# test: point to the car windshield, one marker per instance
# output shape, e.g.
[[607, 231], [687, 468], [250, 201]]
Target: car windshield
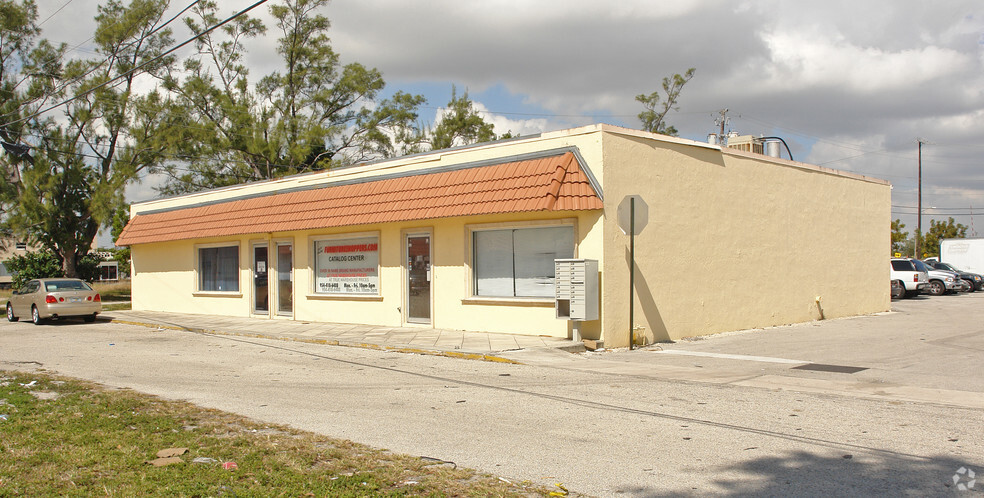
[[65, 285], [920, 266], [948, 266]]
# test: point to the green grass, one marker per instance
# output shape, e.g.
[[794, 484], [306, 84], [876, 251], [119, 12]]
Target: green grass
[[113, 291], [64, 437]]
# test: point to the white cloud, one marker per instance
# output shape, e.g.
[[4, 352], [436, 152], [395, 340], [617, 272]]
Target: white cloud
[[835, 79], [804, 59]]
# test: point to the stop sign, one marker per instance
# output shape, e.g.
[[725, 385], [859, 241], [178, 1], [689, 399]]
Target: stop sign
[[624, 214]]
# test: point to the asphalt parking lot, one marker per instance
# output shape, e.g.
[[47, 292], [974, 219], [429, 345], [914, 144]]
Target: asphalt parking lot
[[727, 415]]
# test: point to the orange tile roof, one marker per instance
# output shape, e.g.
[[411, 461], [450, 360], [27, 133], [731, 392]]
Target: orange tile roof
[[554, 183]]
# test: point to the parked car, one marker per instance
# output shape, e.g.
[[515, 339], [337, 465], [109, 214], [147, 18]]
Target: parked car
[[46, 298], [940, 281], [974, 280], [906, 280]]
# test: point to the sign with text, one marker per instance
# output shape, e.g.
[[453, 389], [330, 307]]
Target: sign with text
[[347, 266]]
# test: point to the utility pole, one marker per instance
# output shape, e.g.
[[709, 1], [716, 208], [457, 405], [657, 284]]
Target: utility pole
[[721, 122], [919, 204]]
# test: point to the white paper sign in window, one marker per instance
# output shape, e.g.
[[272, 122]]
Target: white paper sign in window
[[347, 266]]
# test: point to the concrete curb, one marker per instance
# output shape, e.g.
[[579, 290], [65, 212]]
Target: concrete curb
[[463, 355]]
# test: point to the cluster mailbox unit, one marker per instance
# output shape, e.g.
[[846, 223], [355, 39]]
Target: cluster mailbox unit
[[576, 290]]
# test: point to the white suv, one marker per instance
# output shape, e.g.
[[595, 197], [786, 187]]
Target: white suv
[[907, 281]]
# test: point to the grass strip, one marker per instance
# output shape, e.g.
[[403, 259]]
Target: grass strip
[[66, 437]]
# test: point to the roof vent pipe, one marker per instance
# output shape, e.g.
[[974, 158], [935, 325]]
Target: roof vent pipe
[[712, 138]]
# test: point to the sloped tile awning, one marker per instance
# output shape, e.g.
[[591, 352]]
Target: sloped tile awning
[[552, 183]]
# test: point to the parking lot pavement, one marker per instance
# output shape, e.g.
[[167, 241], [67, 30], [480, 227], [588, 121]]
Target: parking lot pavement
[[927, 349]]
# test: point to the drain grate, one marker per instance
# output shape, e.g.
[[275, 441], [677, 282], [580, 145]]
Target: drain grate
[[820, 367]]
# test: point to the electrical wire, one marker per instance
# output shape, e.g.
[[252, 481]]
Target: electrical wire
[[137, 68], [95, 67]]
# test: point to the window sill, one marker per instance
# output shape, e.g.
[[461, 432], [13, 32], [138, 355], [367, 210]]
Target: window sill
[[343, 297], [534, 302], [216, 294]]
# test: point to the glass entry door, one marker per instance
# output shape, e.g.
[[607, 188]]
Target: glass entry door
[[285, 278], [261, 282], [419, 278]]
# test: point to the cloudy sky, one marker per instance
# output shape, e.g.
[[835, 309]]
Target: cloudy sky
[[849, 85]]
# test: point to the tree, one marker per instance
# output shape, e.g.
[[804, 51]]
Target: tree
[[313, 114], [657, 107], [77, 168], [899, 237], [461, 124], [18, 29], [939, 230]]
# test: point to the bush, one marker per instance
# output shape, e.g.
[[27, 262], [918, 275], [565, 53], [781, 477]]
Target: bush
[[88, 267], [40, 264]]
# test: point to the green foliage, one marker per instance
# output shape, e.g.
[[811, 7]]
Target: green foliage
[[88, 267], [39, 264], [461, 124], [899, 237], [75, 174], [939, 230], [657, 107], [313, 114]]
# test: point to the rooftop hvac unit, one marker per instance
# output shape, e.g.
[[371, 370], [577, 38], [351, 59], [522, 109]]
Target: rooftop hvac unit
[[747, 143]]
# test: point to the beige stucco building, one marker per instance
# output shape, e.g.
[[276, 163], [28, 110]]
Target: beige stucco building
[[465, 239]]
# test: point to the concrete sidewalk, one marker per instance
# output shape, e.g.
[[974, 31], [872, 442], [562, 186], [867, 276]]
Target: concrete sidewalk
[[454, 343]]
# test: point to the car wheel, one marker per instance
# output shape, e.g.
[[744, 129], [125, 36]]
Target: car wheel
[[973, 288], [35, 315], [10, 314], [89, 318], [936, 288], [898, 289]]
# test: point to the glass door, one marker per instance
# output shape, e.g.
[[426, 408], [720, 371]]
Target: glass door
[[285, 278], [419, 278], [261, 282]]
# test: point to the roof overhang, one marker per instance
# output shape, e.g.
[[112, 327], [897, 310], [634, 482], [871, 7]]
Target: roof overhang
[[555, 180]]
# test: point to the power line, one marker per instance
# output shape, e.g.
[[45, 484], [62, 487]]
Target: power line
[[139, 67], [55, 13]]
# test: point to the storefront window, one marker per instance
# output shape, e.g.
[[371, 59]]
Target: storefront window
[[519, 262], [347, 266], [218, 269]]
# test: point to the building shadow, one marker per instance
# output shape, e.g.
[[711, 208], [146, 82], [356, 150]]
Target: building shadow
[[808, 474]]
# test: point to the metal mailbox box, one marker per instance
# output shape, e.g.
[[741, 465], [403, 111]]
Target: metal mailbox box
[[576, 286]]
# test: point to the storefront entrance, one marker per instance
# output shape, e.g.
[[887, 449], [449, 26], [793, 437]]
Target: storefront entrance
[[261, 282], [418, 278], [285, 279]]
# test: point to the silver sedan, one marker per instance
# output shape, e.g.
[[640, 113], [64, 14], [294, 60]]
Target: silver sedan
[[54, 298]]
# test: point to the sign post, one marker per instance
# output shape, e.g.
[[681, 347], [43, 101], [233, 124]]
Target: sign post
[[633, 215]]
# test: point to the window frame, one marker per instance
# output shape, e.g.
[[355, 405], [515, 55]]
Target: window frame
[[471, 297], [239, 270], [314, 293]]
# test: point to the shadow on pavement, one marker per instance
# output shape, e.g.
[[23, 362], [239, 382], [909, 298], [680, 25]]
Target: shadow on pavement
[[808, 474]]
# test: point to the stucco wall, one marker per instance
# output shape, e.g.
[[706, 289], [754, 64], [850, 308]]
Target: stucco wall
[[739, 241], [165, 278]]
